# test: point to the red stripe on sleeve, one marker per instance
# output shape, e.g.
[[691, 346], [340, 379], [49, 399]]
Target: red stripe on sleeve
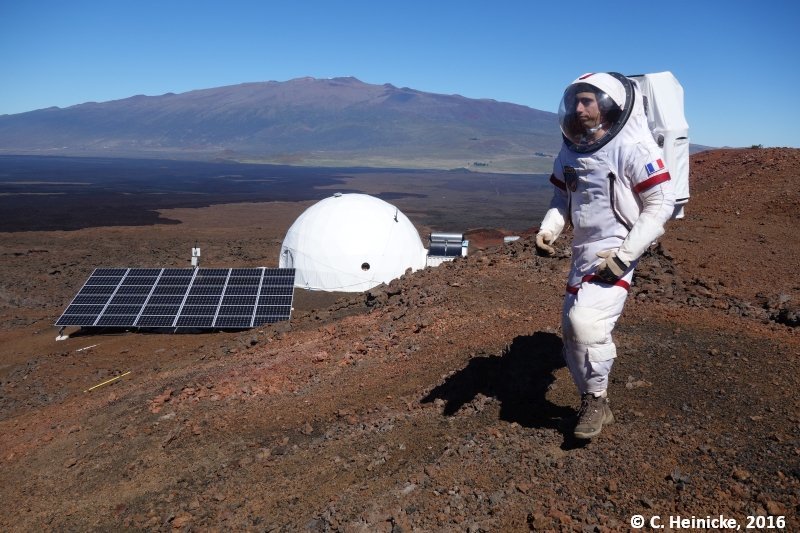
[[557, 182], [652, 182]]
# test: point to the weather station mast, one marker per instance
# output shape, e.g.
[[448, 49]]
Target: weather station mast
[[195, 256]]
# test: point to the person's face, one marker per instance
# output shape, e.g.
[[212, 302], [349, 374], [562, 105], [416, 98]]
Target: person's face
[[587, 110]]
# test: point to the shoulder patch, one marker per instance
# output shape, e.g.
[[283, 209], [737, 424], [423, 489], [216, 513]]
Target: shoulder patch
[[654, 167]]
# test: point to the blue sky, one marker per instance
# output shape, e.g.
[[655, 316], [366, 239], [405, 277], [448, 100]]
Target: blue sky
[[735, 59]]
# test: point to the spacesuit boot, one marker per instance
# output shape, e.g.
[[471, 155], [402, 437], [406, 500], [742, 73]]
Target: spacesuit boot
[[591, 378], [592, 416], [588, 318]]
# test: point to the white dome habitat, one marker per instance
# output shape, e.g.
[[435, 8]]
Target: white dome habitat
[[351, 243]]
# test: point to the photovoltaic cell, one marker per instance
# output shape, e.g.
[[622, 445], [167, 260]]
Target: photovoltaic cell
[[234, 321], [195, 322], [206, 298], [165, 300], [139, 280], [84, 309], [233, 290], [155, 321], [274, 300], [202, 300], [246, 272], [122, 299], [179, 272], [74, 320], [145, 271], [104, 280], [88, 300], [115, 320], [202, 290], [166, 290]]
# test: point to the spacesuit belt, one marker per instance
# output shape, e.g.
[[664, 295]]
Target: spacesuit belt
[[593, 277]]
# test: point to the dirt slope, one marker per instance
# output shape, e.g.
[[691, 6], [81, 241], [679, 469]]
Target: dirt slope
[[437, 403]]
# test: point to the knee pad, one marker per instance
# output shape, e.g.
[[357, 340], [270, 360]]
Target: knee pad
[[587, 325]]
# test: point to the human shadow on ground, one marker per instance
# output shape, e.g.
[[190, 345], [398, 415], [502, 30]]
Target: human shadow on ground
[[519, 379]]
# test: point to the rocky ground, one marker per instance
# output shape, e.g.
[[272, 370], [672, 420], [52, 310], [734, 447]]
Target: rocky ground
[[436, 403]]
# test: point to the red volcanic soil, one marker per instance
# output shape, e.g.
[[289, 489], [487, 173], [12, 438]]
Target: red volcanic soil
[[436, 403]]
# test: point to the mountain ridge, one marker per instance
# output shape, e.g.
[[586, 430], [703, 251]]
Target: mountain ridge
[[301, 121]]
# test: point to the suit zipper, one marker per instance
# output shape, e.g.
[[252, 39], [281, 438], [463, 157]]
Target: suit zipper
[[611, 181]]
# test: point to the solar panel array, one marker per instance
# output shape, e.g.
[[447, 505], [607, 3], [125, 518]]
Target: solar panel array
[[208, 298]]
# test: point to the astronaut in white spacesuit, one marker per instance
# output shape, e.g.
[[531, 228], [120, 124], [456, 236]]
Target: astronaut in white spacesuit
[[611, 183]]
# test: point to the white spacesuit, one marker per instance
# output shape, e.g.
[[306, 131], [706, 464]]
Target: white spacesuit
[[611, 182]]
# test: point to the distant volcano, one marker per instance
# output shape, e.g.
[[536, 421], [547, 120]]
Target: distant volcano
[[339, 121]]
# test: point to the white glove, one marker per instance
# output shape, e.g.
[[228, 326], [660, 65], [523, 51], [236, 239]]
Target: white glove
[[612, 268], [544, 239]]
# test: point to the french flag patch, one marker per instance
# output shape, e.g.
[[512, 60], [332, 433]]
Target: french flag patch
[[654, 166]]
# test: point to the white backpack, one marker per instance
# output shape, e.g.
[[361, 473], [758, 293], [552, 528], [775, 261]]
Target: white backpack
[[663, 105]]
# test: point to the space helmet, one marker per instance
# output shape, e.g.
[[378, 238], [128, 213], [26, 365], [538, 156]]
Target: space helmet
[[594, 108]]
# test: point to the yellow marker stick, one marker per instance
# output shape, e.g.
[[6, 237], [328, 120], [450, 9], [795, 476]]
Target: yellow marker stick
[[108, 381]]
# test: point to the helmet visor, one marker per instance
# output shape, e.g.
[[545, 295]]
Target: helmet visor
[[586, 114], [593, 109]]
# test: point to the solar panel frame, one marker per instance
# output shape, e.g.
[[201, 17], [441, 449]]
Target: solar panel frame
[[200, 298]]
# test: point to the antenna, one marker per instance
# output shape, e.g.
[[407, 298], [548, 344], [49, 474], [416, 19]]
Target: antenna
[[395, 214]]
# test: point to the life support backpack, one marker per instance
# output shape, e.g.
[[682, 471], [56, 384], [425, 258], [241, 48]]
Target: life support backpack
[[663, 105]]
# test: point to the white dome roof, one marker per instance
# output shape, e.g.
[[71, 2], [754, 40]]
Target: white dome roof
[[351, 243]]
